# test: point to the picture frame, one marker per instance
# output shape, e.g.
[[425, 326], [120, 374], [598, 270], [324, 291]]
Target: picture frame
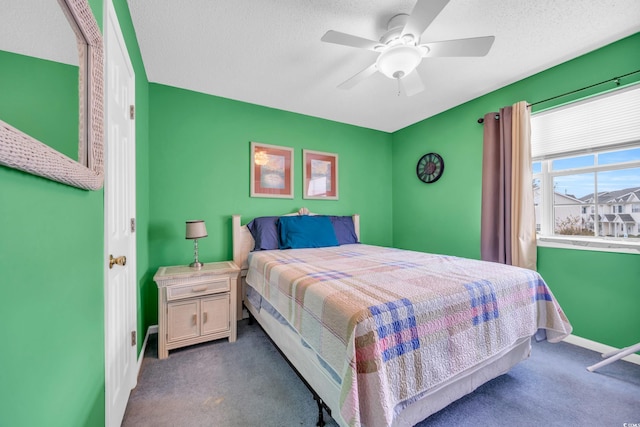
[[271, 171], [320, 175]]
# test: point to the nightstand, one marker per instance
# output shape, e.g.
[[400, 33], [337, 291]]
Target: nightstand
[[195, 306]]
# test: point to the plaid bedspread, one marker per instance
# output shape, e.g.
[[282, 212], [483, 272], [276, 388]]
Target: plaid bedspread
[[395, 323]]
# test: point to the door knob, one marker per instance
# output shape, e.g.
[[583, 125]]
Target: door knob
[[121, 260]]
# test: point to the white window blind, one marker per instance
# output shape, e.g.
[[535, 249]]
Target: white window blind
[[608, 120]]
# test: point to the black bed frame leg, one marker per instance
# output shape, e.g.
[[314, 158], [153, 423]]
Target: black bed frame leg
[[320, 422]]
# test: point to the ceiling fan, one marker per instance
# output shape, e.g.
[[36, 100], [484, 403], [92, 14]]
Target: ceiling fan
[[401, 49]]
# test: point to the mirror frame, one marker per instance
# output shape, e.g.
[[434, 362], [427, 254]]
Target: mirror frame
[[21, 151]]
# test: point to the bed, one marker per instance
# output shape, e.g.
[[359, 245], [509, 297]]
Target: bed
[[383, 336]]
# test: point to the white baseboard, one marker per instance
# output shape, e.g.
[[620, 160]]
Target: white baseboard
[[599, 347], [153, 329]]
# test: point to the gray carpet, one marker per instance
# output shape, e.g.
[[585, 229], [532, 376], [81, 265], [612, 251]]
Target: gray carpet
[[247, 383]]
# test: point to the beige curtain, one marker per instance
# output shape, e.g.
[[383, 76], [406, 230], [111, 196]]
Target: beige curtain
[[523, 220], [508, 232]]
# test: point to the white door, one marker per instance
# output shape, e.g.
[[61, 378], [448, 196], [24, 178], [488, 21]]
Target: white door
[[119, 206]]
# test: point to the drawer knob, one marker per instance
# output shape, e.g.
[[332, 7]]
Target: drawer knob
[[199, 288]]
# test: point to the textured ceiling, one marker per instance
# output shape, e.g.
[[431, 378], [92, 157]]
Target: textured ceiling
[[37, 28], [268, 52]]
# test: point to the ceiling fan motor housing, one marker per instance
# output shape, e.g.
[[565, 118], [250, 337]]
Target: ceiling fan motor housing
[[394, 31]]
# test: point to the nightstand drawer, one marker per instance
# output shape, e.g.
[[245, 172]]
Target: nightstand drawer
[[194, 289]]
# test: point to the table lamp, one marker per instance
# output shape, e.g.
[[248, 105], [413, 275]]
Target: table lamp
[[196, 230]]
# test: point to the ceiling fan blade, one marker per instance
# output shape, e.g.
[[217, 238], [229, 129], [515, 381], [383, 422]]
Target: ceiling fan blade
[[476, 46], [351, 82], [349, 40], [412, 83], [423, 14]]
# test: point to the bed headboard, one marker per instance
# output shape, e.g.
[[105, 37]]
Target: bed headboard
[[243, 241]]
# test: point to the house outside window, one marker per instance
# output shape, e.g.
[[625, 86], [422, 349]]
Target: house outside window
[[586, 169]]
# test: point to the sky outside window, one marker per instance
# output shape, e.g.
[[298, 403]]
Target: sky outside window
[[582, 184], [619, 156]]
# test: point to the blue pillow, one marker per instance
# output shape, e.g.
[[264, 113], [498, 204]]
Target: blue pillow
[[264, 230], [305, 231], [344, 229]]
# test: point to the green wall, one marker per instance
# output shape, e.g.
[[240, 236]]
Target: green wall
[[199, 169], [51, 262], [51, 310], [26, 83], [596, 289]]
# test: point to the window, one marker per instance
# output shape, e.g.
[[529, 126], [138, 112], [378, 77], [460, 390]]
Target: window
[[586, 169]]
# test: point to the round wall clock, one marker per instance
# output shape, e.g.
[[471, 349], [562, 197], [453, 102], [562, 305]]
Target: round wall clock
[[430, 168]]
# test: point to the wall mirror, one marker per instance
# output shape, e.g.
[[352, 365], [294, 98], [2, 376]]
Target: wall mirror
[[22, 151]]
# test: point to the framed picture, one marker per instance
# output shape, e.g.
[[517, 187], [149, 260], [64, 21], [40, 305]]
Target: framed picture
[[320, 171], [271, 171]]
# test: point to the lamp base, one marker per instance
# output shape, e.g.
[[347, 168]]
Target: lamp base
[[196, 264]]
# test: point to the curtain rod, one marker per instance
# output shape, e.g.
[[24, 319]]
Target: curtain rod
[[614, 79]]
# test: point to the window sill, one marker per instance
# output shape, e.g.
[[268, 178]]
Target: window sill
[[589, 244]]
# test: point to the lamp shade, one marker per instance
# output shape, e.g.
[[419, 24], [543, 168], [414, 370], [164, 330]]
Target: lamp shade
[[398, 61], [196, 229]]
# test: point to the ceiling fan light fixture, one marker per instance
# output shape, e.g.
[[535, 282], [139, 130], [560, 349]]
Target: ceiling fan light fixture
[[398, 61]]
